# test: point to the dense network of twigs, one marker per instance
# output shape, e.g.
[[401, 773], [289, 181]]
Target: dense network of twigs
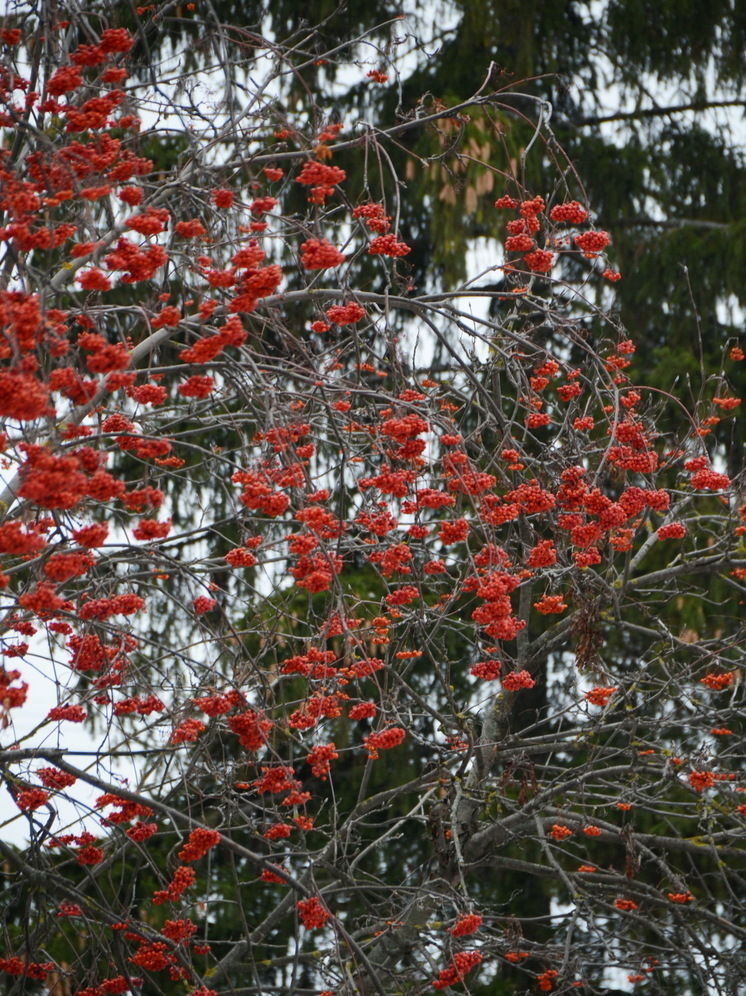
[[359, 636]]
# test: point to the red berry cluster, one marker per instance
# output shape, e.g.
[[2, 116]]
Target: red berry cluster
[[315, 173], [275, 780], [566, 392], [701, 780], [453, 532], [403, 596], [363, 710], [119, 984], [519, 243], [272, 877], [219, 705], [261, 205], [315, 573], [191, 229], [53, 778], [710, 480], [169, 316], [530, 209], [150, 529], [592, 243], [63, 566], [31, 969], [320, 254], [550, 604], [599, 696], [199, 843], [278, 831], [28, 800], [178, 930], [540, 260], [126, 809], [487, 670], [522, 230], [404, 428], [345, 314], [320, 759], [384, 740], [374, 216], [496, 615], [388, 245], [154, 956], [223, 198], [184, 878], [546, 980], [462, 963], [186, 732], [240, 557], [90, 855], [311, 664], [72, 713], [364, 668], [314, 708], [524, 226], [467, 923], [572, 212], [251, 729], [717, 682], [321, 178], [674, 530], [517, 679], [151, 221], [142, 831], [313, 913], [196, 387], [542, 555], [69, 909]]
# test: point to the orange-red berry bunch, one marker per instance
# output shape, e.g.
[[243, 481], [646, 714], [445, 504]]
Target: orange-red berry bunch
[[388, 245], [200, 842], [461, 964], [516, 680], [592, 243], [320, 254], [384, 740], [374, 216], [467, 923], [487, 670], [572, 212], [313, 913]]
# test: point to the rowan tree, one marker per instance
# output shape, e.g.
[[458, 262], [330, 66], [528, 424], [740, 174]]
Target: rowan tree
[[645, 98], [403, 620]]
